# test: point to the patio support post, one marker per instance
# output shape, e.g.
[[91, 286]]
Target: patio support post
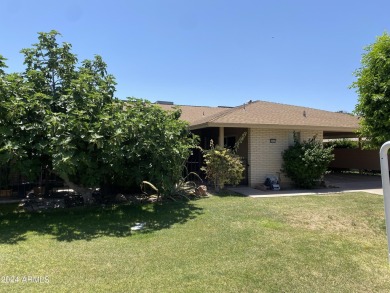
[[386, 188], [221, 136]]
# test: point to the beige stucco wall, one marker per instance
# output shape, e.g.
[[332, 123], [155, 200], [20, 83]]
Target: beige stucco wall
[[265, 157]]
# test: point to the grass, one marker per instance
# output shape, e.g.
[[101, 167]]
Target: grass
[[331, 243]]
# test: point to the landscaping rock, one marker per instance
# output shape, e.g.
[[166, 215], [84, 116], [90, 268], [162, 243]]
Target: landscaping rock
[[201, 190]]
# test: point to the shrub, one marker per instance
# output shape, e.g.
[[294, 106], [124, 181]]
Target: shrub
[[342, 144], [222, 166], [305, 163]]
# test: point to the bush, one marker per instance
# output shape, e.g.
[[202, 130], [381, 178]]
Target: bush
[[305, 163], [222, 166], [342, 144]]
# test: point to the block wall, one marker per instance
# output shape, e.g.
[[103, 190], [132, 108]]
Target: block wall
[[265, 147]]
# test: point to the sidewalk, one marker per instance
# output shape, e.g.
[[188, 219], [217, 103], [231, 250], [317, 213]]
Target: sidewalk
[[252, 192], [339, 183]]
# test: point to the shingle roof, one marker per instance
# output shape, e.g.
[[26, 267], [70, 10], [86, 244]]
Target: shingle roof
[[267, 114], [192, 114]]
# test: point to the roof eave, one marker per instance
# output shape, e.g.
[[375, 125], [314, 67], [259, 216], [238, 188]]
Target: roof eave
[[274, 126]]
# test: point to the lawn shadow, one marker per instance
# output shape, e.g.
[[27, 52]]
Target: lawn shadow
[[87, 223]]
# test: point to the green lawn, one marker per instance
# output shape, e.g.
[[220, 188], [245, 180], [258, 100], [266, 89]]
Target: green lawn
[[333, 243]]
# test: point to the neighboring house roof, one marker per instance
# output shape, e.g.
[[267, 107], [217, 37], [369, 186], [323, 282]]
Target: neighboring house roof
[[266, 114]]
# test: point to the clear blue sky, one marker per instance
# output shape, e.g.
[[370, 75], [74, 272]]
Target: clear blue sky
[[211, 52]]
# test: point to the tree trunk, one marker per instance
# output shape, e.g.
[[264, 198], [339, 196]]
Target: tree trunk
[[85, 192]]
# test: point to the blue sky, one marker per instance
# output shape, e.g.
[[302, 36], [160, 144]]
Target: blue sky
[[211, 52]]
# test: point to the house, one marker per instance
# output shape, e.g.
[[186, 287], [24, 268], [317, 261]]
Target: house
[[270, 129]]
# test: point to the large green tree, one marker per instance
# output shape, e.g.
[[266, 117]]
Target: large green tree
[[62, 117], [373, 88]]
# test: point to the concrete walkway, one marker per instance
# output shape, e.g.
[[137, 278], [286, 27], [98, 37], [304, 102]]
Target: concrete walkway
[[338, 183]]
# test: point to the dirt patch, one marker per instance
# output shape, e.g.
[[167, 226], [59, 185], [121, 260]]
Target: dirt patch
[[331, 220]]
